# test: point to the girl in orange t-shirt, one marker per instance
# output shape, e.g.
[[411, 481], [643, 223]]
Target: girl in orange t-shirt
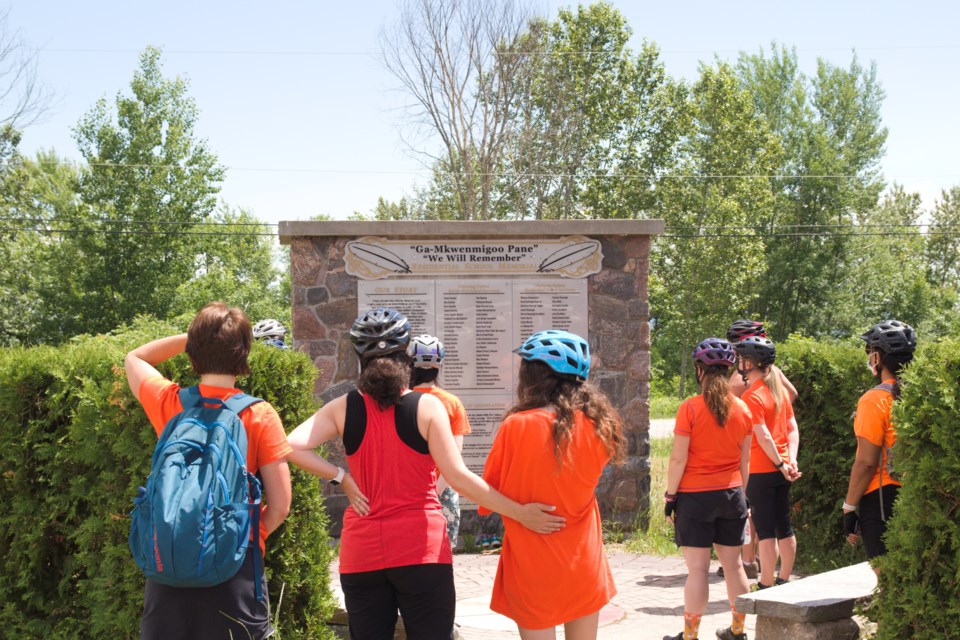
[[552, 447], [709, 467], [773, 458], [873, 483]]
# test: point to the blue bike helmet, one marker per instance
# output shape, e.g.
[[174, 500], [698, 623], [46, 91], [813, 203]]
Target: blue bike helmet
[[276, 342], [566, 353]]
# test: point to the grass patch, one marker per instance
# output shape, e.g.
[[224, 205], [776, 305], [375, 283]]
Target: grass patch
[[657, 540], [664, 407]]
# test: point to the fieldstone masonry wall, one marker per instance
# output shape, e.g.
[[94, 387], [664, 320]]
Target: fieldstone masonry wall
[[324, 299]]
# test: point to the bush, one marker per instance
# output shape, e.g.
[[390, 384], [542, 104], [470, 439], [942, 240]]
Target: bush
[[919, 593], [830, 377], [74, 446]]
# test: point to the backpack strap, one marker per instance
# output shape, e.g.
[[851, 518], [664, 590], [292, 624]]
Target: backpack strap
[[892, 389], [240, 401]]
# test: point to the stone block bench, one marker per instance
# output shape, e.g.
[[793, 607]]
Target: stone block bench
[[819, 607]]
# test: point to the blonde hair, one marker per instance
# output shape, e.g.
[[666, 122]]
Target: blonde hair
[[771, 378]]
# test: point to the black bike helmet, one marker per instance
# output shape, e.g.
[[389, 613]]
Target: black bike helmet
[[892, 337], [380, 331], [757, 348], [744, 328]]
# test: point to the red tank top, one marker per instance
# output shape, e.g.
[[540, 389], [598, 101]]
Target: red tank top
[[391, 463]]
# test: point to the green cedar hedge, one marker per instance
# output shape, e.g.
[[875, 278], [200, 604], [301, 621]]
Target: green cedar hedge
[[830, 376], [74, 446], [919, 593]]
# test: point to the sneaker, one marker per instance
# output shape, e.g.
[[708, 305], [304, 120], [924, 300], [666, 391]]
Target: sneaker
[[679, 636], [757, 586], [720, 571], [728, 634], [484, 543], [780, 581], [752, 569], [495, 542]]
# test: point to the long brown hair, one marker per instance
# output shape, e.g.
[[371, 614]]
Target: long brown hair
[[539, 386], [715, 381], [385, 378]]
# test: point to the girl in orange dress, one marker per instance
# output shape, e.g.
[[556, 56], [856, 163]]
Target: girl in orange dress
[[553, 446]]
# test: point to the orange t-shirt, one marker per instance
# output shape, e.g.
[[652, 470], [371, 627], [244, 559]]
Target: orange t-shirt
[[266, 439], [459, 423], [872, 423], [546, 580], [713, 458], [760, 402]]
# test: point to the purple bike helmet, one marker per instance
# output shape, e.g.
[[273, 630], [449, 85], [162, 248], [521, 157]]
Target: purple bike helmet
[[715, 352]]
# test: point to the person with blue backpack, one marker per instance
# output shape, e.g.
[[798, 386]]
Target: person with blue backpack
[[219, 485]]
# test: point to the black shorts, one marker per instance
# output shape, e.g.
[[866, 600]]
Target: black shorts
[[873, 522], [705, 518], [424, 594], [769, 495], [227, 610]]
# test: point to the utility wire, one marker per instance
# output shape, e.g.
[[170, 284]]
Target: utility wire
[[497, 174]]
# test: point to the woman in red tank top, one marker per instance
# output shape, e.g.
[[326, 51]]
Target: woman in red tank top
[[394, 550]]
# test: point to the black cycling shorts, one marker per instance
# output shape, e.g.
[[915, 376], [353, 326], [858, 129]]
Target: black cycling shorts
[[424, 595], [873, 522], [769, 495], [705, 518]]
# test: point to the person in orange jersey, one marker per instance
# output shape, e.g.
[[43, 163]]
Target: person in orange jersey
[[552, 447], [773, 458], [873, 481], [708, 470], [427, 354], [736, 332]]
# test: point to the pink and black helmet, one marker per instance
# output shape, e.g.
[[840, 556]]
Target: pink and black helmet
[[745, 328], [715, 352]]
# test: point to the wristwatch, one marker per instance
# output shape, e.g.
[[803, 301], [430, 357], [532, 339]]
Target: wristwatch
[[339, 478]]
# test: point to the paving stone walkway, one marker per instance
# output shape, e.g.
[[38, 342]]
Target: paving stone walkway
[[648, 604]]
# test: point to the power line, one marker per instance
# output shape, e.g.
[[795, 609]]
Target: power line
[[564, 53], [507, 174]]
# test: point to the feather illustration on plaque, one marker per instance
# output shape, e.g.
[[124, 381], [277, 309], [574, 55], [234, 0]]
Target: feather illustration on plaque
[[373, 261], [582, 256]]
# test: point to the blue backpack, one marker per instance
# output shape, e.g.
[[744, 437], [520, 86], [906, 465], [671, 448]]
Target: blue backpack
[[192, 522]]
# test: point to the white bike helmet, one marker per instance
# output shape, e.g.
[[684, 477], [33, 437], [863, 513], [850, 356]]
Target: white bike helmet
[[268, 328], [426, 351]]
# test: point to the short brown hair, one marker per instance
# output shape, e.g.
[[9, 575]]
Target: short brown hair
[[218, 340]]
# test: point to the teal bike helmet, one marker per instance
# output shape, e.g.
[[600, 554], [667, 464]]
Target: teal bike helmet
[[566, 353]]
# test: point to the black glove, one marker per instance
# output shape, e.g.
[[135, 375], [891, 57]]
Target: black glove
[[851, 523], [670, 507]]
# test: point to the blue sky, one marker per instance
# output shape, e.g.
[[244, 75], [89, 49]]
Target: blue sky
[[293, 98]]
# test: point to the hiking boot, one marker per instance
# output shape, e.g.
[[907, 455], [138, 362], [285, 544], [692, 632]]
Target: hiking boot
[[752, 569], [728, 634]]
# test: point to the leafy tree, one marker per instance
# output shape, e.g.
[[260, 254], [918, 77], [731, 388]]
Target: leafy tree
[[702, 269], [596, 122], [38, 258], [149, 184], [240, 264], [943, 245], [833, 140], [886, 276]]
